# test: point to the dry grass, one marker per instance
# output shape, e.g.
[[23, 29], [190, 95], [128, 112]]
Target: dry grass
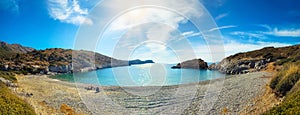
[[287, 84], [10, 104], [285, 79], [262, 103]]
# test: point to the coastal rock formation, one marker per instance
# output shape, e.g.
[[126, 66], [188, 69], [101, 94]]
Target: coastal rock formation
[[241, 66], [61, 69], [55, 60], [213, 66], [257, 60], [192, 64]]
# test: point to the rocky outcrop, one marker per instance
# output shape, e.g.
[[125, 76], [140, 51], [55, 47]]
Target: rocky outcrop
[[257, 60], [16, 48], [61, 69], [240, 66], [213, 66], [192, 64]]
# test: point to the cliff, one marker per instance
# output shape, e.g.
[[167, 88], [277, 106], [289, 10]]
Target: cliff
[[192, 64]]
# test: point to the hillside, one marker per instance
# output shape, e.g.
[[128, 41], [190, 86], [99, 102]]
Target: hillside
[[286, 83], [10, 50], [258, 60], [55, 60]]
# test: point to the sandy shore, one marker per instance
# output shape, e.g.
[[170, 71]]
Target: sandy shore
[[233, 96]]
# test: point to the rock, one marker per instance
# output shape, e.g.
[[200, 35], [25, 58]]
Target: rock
[[61, 69], [240, 66], [192, 64], [213, 66]]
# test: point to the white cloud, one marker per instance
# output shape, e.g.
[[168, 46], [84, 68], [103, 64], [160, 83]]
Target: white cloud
[[145, 15], [191, 34], [151, 23], [222, 27], [68, 11], [249, 34], [268, 32], [284, 33], [221, 16]]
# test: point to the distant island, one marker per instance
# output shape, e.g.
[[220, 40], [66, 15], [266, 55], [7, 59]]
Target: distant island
[[192, 64], [137, 61]]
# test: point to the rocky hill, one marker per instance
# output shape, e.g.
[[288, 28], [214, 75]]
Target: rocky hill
[[192, 64], [56, 60], [257, 60], [8, 50]]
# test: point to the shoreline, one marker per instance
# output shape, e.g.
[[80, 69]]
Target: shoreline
[[50, 94]]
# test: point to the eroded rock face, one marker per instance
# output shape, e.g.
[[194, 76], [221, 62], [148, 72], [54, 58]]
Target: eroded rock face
[[240, 66], [61, 69], [192, 64]]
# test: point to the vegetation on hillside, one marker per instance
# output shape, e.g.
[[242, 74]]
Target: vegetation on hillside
[[8, 51], [55, 59], [285, 79], [287, 83], [8, 75], [284, 54], [10, 104]]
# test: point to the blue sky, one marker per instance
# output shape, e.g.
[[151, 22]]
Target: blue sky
[[245, 25]]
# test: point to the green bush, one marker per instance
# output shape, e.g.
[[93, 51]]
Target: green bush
[[11, 104]]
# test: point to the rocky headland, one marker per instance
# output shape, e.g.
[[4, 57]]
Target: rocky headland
[[14, 57], [192, 64], [257, 60]]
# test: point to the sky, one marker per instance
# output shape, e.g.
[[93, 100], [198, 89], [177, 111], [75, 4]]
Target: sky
[[223, 27]]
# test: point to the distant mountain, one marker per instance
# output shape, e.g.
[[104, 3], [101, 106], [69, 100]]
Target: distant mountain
[[56, 60], [133, 62], [257, 60], [8, 50], [192, 64]]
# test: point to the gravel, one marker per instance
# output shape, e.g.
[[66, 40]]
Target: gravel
[[230, 95]]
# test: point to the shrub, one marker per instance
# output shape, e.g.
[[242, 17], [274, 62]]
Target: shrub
[[290, 106], [286, 78], [287, 83]]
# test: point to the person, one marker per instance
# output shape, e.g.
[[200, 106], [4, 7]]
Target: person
[[97, 90]]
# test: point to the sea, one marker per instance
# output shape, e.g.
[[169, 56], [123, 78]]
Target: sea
[[141, 75]]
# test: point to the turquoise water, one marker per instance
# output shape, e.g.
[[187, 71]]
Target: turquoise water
[[141, 75]]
